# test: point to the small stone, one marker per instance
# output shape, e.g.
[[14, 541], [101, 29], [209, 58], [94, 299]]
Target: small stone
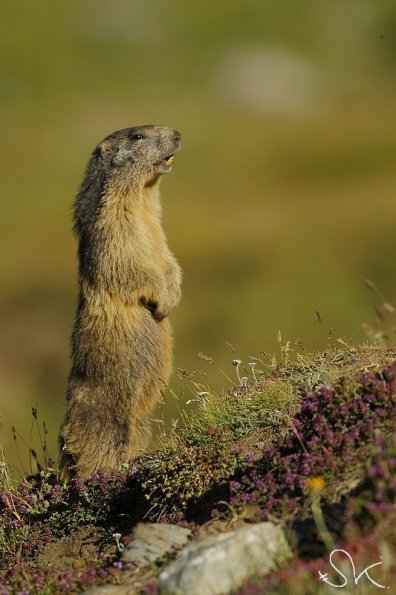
[[152, 541], [219, 564]]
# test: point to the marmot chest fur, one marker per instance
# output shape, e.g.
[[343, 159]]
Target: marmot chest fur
[[129, 283]]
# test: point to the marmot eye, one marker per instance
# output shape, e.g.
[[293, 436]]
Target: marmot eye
[[137, 136]]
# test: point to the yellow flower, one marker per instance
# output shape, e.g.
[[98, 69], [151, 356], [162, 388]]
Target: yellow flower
[[316, 483]]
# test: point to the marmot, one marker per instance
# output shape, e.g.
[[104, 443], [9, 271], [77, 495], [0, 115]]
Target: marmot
[[129, 282]]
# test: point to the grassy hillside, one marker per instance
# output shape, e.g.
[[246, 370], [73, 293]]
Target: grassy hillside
[[307, 441]]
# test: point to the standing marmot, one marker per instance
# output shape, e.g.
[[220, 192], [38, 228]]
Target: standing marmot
[[129, 283]]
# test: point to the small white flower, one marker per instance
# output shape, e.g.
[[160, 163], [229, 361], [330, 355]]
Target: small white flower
[[117, 537], [252, 366]]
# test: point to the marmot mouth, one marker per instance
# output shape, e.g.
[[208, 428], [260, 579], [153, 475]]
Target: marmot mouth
[[165, 164], [168, 159]]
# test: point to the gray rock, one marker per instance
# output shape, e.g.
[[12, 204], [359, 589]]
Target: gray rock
[[219, 564], [150, 542]]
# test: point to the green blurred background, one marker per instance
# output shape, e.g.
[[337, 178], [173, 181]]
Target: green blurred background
[[281, 202]]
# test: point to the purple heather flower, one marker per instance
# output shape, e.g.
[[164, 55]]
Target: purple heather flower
[[234, 485], [118, 564], [249, 458]]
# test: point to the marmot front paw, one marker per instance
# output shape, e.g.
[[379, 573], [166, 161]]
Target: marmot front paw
[[158, 312]]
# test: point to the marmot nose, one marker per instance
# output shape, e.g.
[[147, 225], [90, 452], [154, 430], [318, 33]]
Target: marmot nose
[[176, 136]]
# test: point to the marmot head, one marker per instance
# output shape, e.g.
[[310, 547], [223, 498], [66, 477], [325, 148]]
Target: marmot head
[[137, 155], [124, 163]]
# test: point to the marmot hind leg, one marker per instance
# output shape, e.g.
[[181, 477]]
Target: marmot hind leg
[[86, 451]]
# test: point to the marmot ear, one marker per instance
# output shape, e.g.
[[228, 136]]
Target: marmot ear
[[104, 149]]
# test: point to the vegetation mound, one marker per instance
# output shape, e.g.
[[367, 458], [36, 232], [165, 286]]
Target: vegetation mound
[[307, 441]]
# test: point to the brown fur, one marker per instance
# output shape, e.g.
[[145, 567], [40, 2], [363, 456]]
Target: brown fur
[[129, 283]]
